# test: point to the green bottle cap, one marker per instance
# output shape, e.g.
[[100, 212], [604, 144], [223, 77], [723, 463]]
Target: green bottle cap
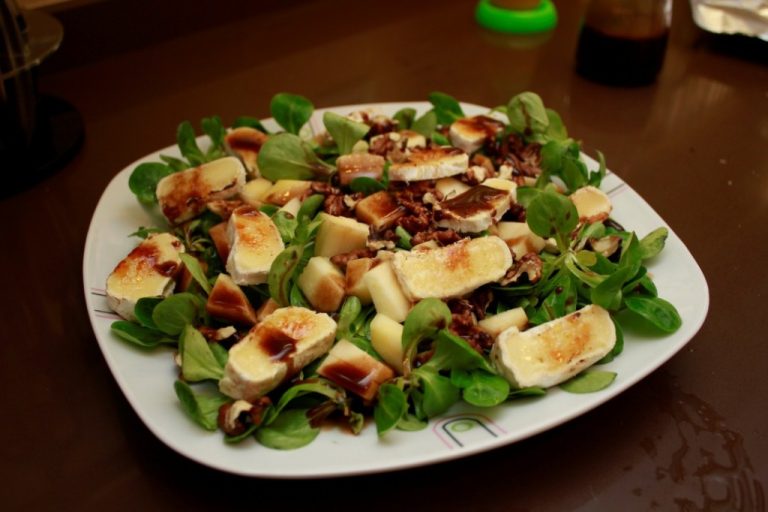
[[524, 21]]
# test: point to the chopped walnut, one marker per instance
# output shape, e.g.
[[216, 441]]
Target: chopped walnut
[[341, 260], [236, 417], [530, 265]]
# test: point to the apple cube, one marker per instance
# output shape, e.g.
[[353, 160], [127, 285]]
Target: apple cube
[[495, 324], [386, 293], [338, 235], [323, 284], [285, 190], [386, 337], [355, 370], [228, 302], [355, 285]]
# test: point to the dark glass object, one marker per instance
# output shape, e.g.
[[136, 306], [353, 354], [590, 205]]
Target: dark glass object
[[38, 134], [623, 42]]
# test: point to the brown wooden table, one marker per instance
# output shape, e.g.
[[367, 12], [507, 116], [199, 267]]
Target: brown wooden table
[[691, 436]]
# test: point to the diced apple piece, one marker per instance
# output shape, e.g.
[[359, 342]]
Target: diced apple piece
[[355, 370], [386, 293], [495, 324], [293, 206], [520, 239], [185, 279], [218, 234], [450, 187], [253, 191], [386, 338], [228, 302], [355, 285], [285, 190], [592, 204], [359, 165], [379, 210], [338, 235], [323, 284], [267, 307]]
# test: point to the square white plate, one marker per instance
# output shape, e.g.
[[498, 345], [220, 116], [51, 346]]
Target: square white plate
[[146, 377]]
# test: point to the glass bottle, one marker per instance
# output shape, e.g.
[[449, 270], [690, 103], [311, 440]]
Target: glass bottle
[[623, 42]]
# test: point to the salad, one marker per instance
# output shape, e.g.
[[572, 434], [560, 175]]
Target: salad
[[385, 268]]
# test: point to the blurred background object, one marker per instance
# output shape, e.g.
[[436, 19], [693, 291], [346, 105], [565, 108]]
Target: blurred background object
[[38, 134], [623, 42], [516, 16], [745, 17]]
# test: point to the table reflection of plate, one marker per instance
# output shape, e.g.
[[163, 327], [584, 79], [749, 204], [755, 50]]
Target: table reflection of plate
[[147, 378]]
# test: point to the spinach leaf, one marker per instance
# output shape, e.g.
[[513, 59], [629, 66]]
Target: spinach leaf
[[175, 312], [203, 409], [214, 129], [403, 238], [348, 313], [655, 310], [481, 388], [185, 138], [438, 392], [291, 111], [618, 348], [286, 225], [653, 243], [141, 336], [453, 353], [281, 274], [198, 362], [596, 177], [447, 109], [344, 131], [589, 381], [143, 311], [423, 322], [411, 423], [144, 179], [285, 156], [290, 430], [309, 207], [425, 124], [551, 214], [176, 164], [194, 268], [556, 129], [527, 115], [366, 185], [250, 122], [144, 232], [319, 386], [527, 392], [404, 118], [390, 407]]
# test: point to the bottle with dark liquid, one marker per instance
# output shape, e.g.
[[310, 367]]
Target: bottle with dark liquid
[[623, 42]]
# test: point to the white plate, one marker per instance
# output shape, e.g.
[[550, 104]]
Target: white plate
[[147, 378]]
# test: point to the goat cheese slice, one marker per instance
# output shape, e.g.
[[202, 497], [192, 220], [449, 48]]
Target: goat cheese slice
[[148, 271], [254, 244], [276, 349], [470, 133], [453, 270], [430, 164], [475, 210], [184, 195], [553, 352]]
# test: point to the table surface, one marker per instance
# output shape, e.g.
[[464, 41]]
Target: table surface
[[691, 436]]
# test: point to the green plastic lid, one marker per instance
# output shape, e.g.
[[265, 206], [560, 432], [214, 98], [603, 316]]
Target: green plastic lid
[[524, 21]]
